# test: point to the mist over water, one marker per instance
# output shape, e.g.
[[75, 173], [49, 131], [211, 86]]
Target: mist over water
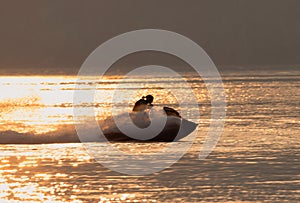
[[256, 159]]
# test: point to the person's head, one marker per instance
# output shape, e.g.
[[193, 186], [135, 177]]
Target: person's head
[[149, 98]]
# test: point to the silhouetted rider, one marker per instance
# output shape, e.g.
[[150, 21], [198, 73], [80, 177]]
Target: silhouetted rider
[[143, 103]]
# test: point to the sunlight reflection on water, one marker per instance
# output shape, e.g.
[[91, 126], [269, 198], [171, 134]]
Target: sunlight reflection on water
[[257, 158]]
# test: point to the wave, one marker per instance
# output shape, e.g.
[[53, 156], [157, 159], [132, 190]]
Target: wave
[[68, 134]]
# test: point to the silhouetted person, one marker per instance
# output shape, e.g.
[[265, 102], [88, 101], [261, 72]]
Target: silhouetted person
[[143, 103]]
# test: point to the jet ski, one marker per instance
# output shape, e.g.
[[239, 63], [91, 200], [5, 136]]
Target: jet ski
[[154, 125], [169, 127]]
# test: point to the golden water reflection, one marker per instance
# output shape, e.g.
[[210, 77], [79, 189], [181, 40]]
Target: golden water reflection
[[66, 173], [256, 159], [54, 173], [43, 104]]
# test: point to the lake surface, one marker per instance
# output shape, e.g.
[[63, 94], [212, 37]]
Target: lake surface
[[256, 159]]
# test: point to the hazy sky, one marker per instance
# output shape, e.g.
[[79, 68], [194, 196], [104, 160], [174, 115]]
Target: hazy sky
[[57, 35]]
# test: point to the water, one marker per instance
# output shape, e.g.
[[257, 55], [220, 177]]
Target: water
[[256, 159]]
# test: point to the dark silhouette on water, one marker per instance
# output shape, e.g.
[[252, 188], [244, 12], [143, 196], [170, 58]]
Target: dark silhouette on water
[[143, 103], [175, 129], [146, 102]]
